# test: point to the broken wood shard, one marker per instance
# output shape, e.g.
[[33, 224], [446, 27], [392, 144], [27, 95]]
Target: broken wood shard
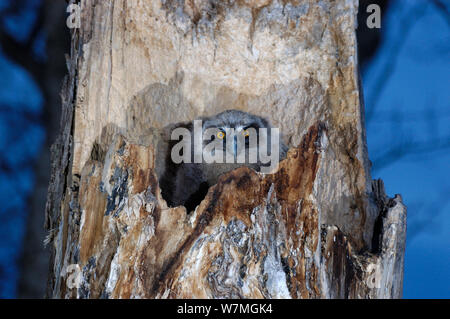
[[253, 236]]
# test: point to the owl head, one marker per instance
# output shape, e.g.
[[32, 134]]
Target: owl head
[[238, 134]]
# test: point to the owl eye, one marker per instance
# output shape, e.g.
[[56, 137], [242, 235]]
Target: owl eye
[[246, 133], [221, 135]]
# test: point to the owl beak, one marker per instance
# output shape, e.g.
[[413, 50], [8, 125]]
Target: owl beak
[[235, 147]]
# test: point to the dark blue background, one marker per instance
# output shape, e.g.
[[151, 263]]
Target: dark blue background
[[407, 93]]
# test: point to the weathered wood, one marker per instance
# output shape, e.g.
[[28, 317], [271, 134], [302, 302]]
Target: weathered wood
[[318, 227]]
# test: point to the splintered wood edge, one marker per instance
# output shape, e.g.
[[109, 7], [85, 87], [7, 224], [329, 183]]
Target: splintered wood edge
[[170, 253]]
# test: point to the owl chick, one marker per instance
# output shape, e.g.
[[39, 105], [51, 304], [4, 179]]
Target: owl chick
[[216, 145]]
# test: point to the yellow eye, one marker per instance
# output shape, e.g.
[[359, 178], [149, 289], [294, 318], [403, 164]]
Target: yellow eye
[[246, 133], [221, 135]]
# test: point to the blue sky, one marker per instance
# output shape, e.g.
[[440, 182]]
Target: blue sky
[[417, 91], [21, 139]]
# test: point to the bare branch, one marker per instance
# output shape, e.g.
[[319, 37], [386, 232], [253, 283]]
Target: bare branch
[[410, 148], [388, 69], [443, 9]]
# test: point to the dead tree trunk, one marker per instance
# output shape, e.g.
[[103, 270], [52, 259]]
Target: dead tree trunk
[[318, 227]]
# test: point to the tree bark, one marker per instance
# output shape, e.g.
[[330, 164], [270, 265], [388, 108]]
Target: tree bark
[[318, 227]]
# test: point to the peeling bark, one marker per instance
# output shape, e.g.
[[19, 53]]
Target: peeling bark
[[318, 227]]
